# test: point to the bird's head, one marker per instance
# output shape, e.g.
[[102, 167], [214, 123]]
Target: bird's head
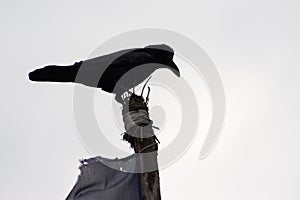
[[164, 55]]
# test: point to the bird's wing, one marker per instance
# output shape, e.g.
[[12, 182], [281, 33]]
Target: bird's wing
[[124, 70], [133, 58], [126, 62]]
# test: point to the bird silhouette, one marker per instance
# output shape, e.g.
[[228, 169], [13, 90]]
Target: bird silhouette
[[115, 72]]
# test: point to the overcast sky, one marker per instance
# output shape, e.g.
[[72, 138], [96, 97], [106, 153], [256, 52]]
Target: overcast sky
[[254, 45]]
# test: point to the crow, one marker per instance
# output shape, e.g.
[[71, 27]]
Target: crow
[[115, 72]]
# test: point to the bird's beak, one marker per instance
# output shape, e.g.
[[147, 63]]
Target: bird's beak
[[173, 67]]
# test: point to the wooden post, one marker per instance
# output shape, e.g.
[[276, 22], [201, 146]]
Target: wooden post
[[139, 133]]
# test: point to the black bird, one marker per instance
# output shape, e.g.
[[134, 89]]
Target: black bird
[[114, 73]]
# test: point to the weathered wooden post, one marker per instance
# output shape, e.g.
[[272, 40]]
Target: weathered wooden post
[[139, 133]]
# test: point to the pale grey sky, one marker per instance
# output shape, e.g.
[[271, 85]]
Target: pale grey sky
[[254, 45]]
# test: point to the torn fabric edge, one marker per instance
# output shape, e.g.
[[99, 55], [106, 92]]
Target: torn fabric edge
[[97, 180]]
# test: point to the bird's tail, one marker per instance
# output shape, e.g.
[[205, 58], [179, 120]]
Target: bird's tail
[[55, 73]]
